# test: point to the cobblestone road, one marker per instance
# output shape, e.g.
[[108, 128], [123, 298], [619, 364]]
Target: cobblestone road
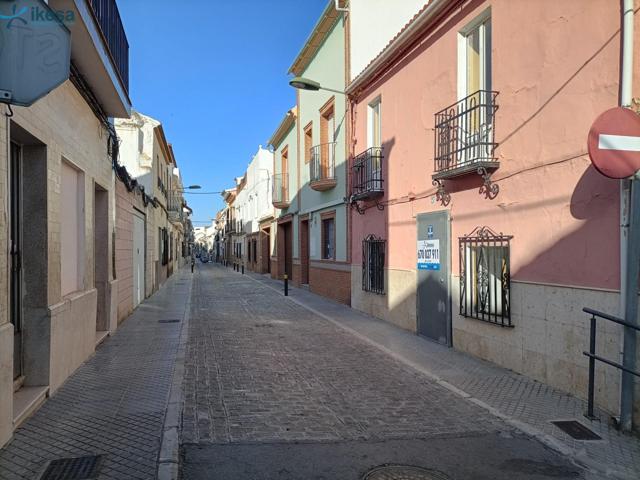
[[272, 390], [260, 368]]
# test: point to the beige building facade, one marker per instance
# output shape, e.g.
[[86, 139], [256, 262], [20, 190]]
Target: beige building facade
[[59, 294]]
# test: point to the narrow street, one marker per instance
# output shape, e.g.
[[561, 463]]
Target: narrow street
[[274, 391], [258, 386]]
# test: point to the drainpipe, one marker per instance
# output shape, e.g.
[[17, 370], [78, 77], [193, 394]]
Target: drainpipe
[[627, 297], [7, 209]]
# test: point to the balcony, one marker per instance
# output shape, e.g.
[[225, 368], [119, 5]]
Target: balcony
[[108, 17], [100, 51], [366, 175], [175, 216], [322, 167], [175, 211], [280, 195], [465, 137]]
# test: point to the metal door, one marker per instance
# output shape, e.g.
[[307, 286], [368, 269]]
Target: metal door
[[138, 259], [16, 257], [433, 272]]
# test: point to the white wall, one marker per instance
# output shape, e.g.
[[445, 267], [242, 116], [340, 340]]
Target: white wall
[[254, 200], [373, 24], [137, 148]]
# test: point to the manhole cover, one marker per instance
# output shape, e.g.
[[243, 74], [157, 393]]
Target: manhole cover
[[173, 320], [403, 472], [576, 430], [81, 468]]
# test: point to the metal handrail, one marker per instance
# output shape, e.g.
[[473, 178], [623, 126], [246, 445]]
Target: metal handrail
[[593, 357]]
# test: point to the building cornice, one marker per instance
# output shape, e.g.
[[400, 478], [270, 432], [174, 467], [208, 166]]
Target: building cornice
[[325, 23], [285, 125]]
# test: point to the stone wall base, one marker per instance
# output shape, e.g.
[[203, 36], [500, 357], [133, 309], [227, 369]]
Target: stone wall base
[[73, 335], [549, 332], [397, 305]]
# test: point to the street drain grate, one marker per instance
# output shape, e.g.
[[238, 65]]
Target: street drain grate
[[576, 430], [173, 320], [403, 472], [80, 468]]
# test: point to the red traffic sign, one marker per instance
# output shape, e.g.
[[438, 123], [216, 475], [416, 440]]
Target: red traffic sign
[[614, 143]]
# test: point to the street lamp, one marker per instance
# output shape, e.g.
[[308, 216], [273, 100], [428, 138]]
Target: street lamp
[[302, 83], [190, 187]]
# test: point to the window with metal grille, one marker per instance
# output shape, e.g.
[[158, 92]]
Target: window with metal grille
[[485, 278], [373, 251]]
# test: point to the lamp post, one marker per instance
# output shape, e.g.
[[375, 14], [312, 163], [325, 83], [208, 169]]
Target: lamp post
[[190, 187], [302, 83]]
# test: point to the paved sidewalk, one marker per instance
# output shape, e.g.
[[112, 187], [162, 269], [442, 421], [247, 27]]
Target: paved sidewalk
[[114, 405], [522, 402]]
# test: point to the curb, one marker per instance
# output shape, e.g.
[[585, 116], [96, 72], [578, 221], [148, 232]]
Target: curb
[[169, 456]]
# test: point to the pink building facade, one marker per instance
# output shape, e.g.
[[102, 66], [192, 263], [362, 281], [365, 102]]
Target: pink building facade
[[476, 115]]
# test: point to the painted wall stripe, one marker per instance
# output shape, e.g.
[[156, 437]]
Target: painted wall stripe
[[619, 142]]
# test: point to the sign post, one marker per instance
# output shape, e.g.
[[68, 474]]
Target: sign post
[[614, 148]]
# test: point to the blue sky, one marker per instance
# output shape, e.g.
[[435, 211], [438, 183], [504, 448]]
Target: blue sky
[[214, 72]]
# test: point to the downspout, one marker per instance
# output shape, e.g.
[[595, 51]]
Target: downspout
[[7, 209], [626, 84]]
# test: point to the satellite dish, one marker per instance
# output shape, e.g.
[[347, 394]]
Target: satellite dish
[[35, 51]]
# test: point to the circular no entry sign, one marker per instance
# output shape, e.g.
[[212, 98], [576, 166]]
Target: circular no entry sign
[[614, 143]]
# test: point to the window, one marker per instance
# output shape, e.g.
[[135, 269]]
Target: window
[[475, 57], [72, 224], [373, 252], [374, 141], [374, 138], [327, 139], [485, 277], [308, 142], [285, 173], [329, 236]]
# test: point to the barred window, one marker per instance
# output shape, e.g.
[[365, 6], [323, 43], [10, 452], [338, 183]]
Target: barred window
[[373, 252], [485, 277]]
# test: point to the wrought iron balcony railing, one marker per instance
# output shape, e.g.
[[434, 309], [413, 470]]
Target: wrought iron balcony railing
[[280, 192], [175, 215], [322, 167], [465, 136], [108, 17], [366, 175]]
